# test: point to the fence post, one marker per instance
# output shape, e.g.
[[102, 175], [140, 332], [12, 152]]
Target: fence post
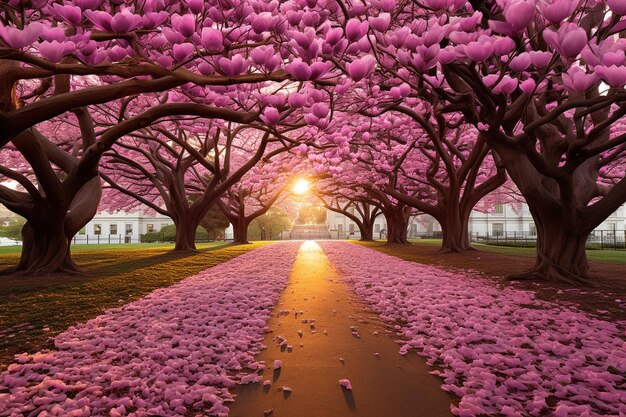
[[602, 239], [614, 239], [87, 239], [109, 238]]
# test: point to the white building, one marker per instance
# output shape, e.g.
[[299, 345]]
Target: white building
[[341, 227], [120, 227], [506, 220]]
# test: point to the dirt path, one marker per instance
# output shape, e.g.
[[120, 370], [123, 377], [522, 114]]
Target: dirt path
[[385, 384]]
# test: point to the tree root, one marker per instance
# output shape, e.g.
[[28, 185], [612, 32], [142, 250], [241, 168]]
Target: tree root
[[552, 273]]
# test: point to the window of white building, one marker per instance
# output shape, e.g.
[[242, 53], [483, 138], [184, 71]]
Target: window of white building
[[497, 229], [149, 228], [499, 209], [113, 229], [351, 228], [611, 227], [532, 229], [97, 229]]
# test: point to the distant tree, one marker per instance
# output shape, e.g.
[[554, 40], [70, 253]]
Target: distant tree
[[168, 234], [13, 230], [214, 222], [273, 222]]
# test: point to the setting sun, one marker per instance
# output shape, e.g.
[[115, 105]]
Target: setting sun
[[301, 186]]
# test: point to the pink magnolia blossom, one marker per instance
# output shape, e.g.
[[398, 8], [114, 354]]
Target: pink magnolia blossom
[[212, 40], [569, 40], [270, 116], [576, 79], [617, 7], [360, 68], [18, 38]]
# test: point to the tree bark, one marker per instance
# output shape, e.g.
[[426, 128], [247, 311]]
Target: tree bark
[[559, 210], [455, 230], [47, 234], [240, 232], [397, 224], [367, 232], [46, 248], [561, 253], [185, 234]]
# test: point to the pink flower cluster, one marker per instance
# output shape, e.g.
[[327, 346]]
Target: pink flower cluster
[[174, 352], [500, 350]]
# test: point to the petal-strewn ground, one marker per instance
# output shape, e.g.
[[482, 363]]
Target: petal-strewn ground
[[178, 350], [501, 350]]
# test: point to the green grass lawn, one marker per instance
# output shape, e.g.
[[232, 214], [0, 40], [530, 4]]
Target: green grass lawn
[[33, 309], [613, 256], [114, 246]]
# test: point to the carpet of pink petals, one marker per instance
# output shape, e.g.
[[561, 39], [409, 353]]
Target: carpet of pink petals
[[500, 350], [175, 352]]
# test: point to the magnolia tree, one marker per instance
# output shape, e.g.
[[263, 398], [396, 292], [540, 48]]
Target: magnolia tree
[[257, 191], [63, 192], [57, 57], [435, 164], [132, 48], [182, 169], [357, 206], [56, 204], [542, 81], [352, 177]]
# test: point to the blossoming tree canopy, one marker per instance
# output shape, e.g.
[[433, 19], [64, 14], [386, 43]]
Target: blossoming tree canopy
[[259, 189], [437, 165], [150, 46], [542, 81], [181, 168]]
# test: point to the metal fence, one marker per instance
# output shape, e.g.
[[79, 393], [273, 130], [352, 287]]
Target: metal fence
[[85, 239], [598, 239]]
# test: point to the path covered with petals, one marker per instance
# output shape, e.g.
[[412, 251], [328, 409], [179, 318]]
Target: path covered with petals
[[502, 351], [183, 350], [174, 352], [334, 357]]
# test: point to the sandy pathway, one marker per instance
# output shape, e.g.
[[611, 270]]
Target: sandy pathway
[[384, 385]]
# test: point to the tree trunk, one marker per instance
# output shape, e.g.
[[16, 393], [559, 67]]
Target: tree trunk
[[240, 232], [46, 249], [562, 228], [47, 235], [455, 230], [185, 234], [397, 225], [367, 232], [561, 254]]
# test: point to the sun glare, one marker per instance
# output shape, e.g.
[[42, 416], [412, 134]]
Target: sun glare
[[301, 186]]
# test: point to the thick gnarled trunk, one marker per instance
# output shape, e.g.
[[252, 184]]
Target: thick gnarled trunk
[[455, 230], [397, 225], [367, 232], [47, 235], [185, 234], [562, 221], [46, 249], [240, 232], [561, 254]]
